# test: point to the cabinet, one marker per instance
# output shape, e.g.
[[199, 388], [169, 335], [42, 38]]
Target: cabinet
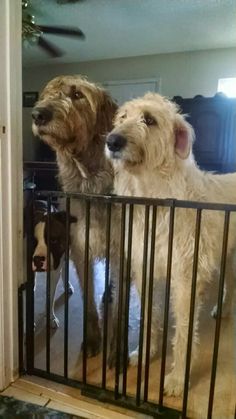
[[214, 123]]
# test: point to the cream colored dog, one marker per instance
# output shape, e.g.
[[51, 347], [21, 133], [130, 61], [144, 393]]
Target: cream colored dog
[[151, 150]]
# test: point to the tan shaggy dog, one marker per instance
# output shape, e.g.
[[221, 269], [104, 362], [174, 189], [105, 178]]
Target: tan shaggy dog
[[73, 116], [151, 151]]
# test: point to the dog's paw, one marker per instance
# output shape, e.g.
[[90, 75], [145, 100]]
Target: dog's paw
[[134, 356], [54, 322], [94, 343], [174, 384], [226, 312], [112, 357], [70, 289], [214, 312], [112, 360], [93, 348]]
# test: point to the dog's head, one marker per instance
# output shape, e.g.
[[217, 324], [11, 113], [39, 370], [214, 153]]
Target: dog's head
[[71, 112], [149, 132], [57, 241]]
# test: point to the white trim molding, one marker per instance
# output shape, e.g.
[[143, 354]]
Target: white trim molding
[[11, 203], [156, 81]]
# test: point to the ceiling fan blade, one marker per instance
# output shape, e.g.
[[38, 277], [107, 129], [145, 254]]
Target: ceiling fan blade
[[49, 48], [62, 30]]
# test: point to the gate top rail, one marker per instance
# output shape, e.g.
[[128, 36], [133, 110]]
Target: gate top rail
[[119, 199]]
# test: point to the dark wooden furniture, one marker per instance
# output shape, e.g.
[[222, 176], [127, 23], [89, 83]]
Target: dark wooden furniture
[[42, 174], [214, 123]]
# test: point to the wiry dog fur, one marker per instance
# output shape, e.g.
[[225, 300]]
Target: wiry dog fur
[[151, 150], [78, 116]]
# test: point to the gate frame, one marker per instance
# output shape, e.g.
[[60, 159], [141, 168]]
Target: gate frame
[[157, 410]]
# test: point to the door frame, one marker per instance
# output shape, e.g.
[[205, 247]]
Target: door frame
[[11, 195]]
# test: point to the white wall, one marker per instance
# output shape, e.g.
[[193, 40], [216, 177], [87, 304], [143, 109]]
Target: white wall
[[186, 74], [11, 197]]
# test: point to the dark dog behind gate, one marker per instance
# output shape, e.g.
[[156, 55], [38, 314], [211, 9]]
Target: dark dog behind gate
[[57, 248]]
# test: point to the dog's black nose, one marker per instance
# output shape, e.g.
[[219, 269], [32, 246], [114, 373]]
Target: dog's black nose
[[38, 261], [41, 116], [115, 142]]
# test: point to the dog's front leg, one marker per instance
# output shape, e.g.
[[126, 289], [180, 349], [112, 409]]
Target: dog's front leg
[[93, 345], [70, 286], [229, 289], [150, 323], [150, 329], [54, 278], [174, 381], [118, 323]]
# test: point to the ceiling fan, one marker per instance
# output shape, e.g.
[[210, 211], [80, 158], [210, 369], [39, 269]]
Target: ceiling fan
[[34, 33]]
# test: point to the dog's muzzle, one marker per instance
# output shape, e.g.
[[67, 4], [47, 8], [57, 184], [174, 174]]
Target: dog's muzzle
[[39, 263], [41, 116], [115, 142]]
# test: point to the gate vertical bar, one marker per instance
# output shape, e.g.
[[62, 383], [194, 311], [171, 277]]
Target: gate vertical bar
[[21, 323], [127, 297], [30, 288], [120, 300], [191, 313], [143, 303], [86, 278], [105, 322], [167, 302], [66, 300], [150, 296], [219, 311], [48, 284]]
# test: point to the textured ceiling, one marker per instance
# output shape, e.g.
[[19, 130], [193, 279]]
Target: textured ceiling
[[125, 28]]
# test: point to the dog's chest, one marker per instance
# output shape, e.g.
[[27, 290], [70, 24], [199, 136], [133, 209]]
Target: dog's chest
[[143, 237]]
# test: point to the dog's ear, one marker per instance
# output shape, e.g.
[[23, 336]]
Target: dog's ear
[[184, 136], [61, 217], [107, 111]]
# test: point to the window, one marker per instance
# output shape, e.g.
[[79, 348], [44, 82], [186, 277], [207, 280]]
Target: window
[[227, 86]]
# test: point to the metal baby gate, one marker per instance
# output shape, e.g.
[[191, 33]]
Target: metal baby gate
[[116, 389]]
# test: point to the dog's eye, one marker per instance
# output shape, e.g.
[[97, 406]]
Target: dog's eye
[[149, 120], [77, 95], [53, 240], [121, 118]]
